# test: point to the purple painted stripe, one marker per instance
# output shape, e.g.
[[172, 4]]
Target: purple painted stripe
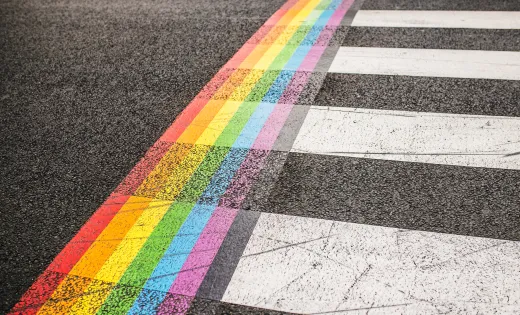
[[246, 175], [253, 163], [312, 58], [293, 91], [175, 304], [206, 247], [325, 36], [194, 269], [265, 140], [345, 5]]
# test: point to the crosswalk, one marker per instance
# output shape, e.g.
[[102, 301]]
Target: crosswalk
[[353, 157], [427, 238]]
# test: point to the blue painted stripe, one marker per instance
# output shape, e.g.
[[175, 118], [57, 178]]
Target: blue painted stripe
[[278, 87], [254, 125], [178, 251]]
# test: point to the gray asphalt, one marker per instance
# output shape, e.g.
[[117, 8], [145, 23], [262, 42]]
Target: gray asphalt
[[209, 307], [86, 88], [428, 94], [433, 38], [428, 197], [470, 5]]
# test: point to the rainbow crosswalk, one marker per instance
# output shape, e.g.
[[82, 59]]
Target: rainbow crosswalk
[[147, 249]]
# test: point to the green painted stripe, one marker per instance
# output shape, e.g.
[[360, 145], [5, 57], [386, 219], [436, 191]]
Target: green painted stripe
[[129, 287], [122, 297]]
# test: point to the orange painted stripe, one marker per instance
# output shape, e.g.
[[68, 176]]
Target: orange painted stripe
[[71, 254]]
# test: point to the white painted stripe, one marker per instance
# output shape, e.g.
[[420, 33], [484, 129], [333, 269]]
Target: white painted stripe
[[305, 265], [438, 19], [465, 140], [477, 64]]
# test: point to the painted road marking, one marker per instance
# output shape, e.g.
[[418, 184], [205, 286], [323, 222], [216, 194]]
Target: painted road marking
[[438, 19], [172, 210], [166, 270], [434, 38], [308, 266], [148, 249], [428, 62], [473, 201], [464, 140]]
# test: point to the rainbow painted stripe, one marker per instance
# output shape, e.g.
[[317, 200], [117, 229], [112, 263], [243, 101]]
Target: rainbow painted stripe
[[147, 249]]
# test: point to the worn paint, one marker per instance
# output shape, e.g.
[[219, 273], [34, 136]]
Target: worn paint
[[168, 222]]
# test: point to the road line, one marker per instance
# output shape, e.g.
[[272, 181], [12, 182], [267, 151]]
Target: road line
[[93, 259], [169, 135], [452, 5], [476, 64], [216, 281], [209, 136], [138, 306], [184, 171], [438, 19], [464, 140], [308, 266]]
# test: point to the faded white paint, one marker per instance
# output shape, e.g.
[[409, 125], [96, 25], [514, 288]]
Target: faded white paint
[[305, 265], [428, 62], [438, 19], [465, 140]]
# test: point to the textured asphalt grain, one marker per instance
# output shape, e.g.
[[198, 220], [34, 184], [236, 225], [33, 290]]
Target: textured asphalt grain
[[437, 198], [86, 88], [469, 5], [423, 94], [201, 306], [433, 38]]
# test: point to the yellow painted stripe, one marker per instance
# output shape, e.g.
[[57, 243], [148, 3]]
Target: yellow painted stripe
[[223, 117], [201, 122], [113, 268], [152, 184], [274, 50], [219, 122], [94, 258], [231, 84], [180, 176]]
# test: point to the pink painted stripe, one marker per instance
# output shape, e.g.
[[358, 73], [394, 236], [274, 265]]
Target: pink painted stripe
[[265, 140], [312, 58], [253, 163], [196, 266], [194, 269], [335, 19]]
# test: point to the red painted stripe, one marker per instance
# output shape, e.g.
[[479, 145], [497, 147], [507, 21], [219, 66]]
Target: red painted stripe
[[44, 286], [40, 291], [137, 175], [48, 281]]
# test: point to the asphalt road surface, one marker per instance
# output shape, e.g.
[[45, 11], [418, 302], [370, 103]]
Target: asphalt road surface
[[332, 157]]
